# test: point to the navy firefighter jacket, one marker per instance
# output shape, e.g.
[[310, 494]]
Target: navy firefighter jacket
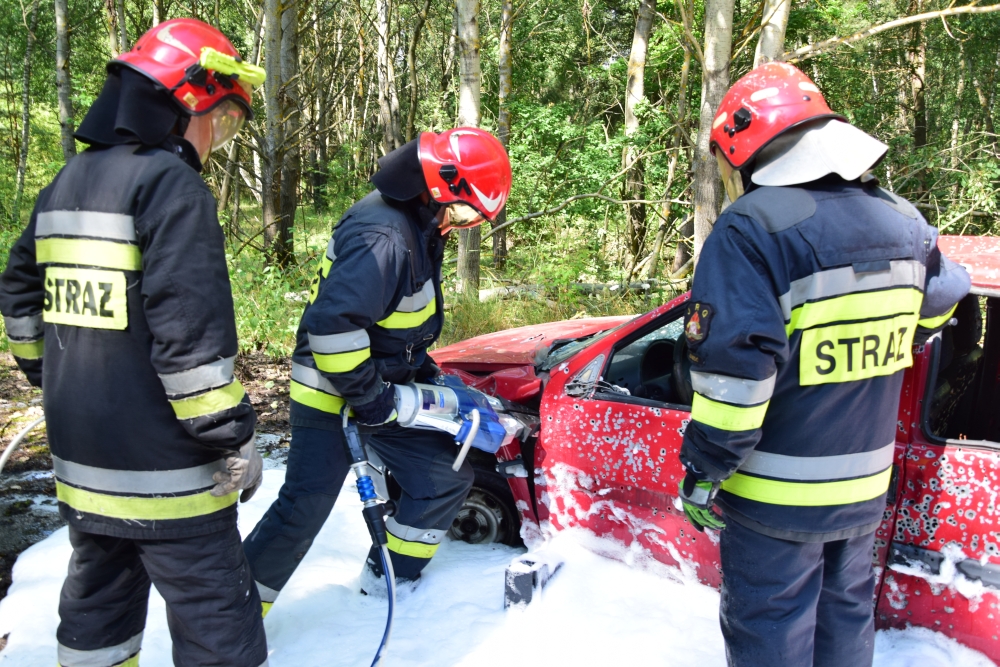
[[801, 321], [116, 301], [374, 309]]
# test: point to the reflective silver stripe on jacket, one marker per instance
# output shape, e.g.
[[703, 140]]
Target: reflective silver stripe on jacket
[[836, 282], [331, 254], [311, 377], [86, 223], [144, 482], [266, 594], [342, 342], [731, 389], [101, 657], [814, 468], [201, 378], [27, 329], [411, 534], [419, 301]]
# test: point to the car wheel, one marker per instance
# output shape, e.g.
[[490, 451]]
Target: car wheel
[[488, 514]]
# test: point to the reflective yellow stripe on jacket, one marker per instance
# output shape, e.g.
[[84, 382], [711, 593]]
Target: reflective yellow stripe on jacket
[[813, 481]]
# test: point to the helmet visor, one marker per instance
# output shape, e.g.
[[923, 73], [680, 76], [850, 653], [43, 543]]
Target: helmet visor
[[227, 120]]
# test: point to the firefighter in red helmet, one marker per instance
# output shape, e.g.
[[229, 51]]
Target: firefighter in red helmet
[[375, 308], [810, 292], [116, 301]]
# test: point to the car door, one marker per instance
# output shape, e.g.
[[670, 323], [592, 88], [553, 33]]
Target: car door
[[612, 428], [944, 555]]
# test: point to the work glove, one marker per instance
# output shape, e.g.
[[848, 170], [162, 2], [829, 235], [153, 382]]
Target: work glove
[[428, 370], [379, 411], [698, 496], [244, 471]]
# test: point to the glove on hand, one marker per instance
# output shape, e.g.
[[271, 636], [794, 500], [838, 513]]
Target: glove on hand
[[245, 470], [428, 370], [379, 411], [698, 496]]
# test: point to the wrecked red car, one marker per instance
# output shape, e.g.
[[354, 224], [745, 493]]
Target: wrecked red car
[[610, 398]]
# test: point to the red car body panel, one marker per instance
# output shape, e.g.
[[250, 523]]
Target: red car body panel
[[611, 466]]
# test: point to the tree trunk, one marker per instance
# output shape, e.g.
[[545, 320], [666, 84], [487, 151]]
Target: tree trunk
[[411, 66], [291, 163], [112, 18], [122, 28], [506, 71], [470, 78], [227, 176], [388, 102], [714, 82], [956, 119], [22, 159], [772, 31], [320, 113], [158, 12], [64, 86], [918, 70], [683, 253], [635, 185], [273, 135]]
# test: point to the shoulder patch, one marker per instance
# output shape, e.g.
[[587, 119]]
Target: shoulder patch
[[697, 321], [896, 203], [775, 208]]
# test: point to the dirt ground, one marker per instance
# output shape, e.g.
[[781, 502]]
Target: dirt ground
[[28, 506]]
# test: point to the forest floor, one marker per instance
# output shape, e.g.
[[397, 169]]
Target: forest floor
[[28, 507]]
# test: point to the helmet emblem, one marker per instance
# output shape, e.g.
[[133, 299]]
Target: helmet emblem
[[191, 100], [165, 37], [491, 203], [453, 142]]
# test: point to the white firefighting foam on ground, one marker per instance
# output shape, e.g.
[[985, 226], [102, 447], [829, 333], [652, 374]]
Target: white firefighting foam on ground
[[594, 611]]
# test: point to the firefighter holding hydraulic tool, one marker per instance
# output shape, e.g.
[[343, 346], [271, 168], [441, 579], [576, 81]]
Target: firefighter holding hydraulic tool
[[810, 293], [116, 300], [374, 309]]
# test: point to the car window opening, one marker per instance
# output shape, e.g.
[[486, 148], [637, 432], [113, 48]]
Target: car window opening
[[964, 382]]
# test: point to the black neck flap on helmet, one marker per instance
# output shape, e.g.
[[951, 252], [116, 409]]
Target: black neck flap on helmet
[[400, 175], [130, 109]]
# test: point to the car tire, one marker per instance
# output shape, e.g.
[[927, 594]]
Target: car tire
[[488, 514]]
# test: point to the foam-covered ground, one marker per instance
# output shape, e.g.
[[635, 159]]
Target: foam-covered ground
[[595, 611]]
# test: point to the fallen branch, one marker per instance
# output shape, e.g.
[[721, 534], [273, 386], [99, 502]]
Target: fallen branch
[[810, 50], [567, 202]]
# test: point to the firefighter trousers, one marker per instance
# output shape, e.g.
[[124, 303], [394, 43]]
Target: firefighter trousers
[[213, 610], [420, 461], [796, 604]]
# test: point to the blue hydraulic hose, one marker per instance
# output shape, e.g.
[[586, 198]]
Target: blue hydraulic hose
[[389, 586]]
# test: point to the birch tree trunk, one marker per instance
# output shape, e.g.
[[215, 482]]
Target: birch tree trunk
[[470, 78], [123, 44], [635, 185], [64, 87], [158, 12], [773, 23], [388, 102], [714, 83], [506, 71], [22, 159], [273, 135], [411, 66], [291, 114]]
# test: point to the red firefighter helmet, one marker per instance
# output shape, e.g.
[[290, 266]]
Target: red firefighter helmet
[[466, 165], [195, 63], [766, 102]]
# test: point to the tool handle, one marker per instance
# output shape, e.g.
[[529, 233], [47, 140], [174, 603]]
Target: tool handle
[[462, 453], [16, 442]]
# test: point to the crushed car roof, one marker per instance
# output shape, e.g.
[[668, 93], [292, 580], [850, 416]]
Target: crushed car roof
[[980, 255]]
